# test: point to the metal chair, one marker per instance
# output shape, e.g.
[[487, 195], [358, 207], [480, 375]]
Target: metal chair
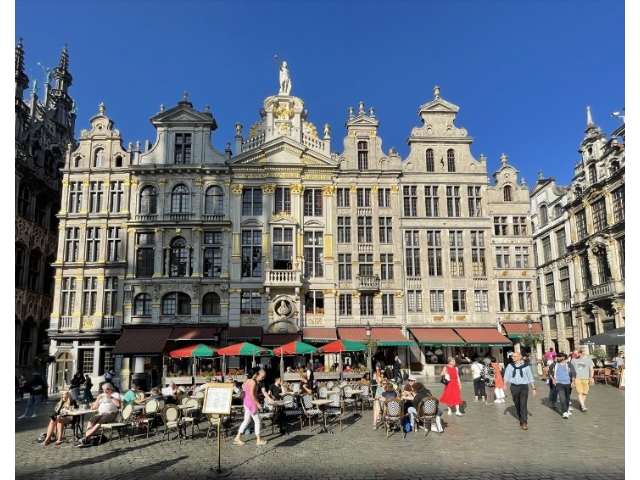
[[323, 392], [172, 422], [191, 415], [150, 409], [329, 385], [347, 399], [392, 415], [310, 410], [214, 421], [268, 413], [183, 400], [126, 416], [291, 408], [427, 413], [335, 408], [366, 396]]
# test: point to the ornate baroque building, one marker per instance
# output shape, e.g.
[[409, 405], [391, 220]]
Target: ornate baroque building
[[44, 132], [281, 239], [579, 237]]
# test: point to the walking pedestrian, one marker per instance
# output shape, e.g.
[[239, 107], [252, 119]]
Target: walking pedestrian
[[499, 381], [563, 375], [396, 369], [489, 379], [76, 381], [251, 407], [584, 376], [478, 384], [87, 396], [36, 389], [519, 375], [451, 394]]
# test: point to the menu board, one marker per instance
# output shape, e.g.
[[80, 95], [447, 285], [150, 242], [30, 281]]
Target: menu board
[[217, 398]]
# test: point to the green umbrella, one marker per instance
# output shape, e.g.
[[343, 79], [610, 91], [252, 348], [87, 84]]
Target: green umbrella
[[245, 349], [199, 350], [294, 348]]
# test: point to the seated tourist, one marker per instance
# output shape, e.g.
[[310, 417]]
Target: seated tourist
[[59, 418], [420, 393], [107, 404]]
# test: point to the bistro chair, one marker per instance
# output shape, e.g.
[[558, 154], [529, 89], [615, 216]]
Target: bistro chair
[[190, 415], [323, 392], [291, 408], [335, 408], [329, 385], [214, 420], [172, 422], [151, 410], [347, 399], [126, 417], [366, 396], [310, 410], [428, 413], [392, 416], [268, 413]]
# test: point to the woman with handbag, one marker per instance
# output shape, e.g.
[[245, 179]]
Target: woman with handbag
[[59, 418], [452, 387]]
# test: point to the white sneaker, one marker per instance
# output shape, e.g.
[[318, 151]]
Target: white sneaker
[[22, 416], [565, 415], [34, 415], [448, 412], [459, 414], [570, 408], [569, 413]]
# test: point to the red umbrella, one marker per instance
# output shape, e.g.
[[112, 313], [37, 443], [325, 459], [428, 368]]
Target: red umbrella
[[245, 349], [294, 348], [338, 346]]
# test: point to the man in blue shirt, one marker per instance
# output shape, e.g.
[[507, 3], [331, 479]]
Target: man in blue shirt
[[518, 375], [563, 377]]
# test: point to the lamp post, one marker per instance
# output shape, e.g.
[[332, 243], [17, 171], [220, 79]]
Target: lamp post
[[368, 330], [532, 338]]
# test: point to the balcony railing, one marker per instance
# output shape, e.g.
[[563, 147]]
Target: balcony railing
[[480, 282], [368, 282], [212, 217], [414, 283], [365, 247], [146, 217], [176, 217], [274, 278]]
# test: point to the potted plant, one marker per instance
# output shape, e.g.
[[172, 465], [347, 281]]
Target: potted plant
[[599, 354]]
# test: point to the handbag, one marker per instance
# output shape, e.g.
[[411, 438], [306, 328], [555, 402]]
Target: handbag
[[444, 380]]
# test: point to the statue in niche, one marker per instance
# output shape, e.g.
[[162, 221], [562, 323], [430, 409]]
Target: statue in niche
[[285, 79], [283, 308]]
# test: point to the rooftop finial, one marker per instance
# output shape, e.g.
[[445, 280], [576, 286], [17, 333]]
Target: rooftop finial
[[361, 107], [522, 182], [185, 96], [161, 107], [503, 159], [589, 119], [102, 108], [540, 174], [436, 92], [371, 112], [350, 112], [207, 108]]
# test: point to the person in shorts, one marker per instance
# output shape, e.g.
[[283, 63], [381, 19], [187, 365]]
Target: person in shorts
[[107, 404], [584, 376]]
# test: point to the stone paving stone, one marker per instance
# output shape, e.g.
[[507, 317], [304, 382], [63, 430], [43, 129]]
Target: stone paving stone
[[578, 448]]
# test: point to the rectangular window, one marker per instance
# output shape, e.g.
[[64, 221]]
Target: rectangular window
[[477, 253], [90, 295], [363, 197], [250, 301], [621, 256], [384, 197], [550, 289], [116, 194], [585, 272], [363, 155], [459, 298], [110, 296], [366, 305], [520, 226], [252, 253], [385, 229], [434, 253], [410, 199], [414, 300], [505, 292], [93, 244], [561, 241], [618, 204], [71, 244], [387, 304], [365, 230], [145, 254], [182, 153], [553, 322], [546, 249], [212, 255], [436, 300], [282, 200], [252, 202], [412, 253], [431, 201], [581, 224], [565, 286], [313, 254], [95, 197], [114, 245], [525, 303], [282, 248], [75, 197], [475, 201], [500, 226], [344, 229], [345, 300], [87, 361], [344, 266], [314, 303], [386, 266], [344, 200], [312, 199], [365, 264], [456, 253], [599, 216], [522, 257], [67, 303], [453, 202], [481, 300], [502, 257]]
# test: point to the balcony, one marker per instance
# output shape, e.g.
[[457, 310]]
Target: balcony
[[365, 247], [414, 283], [480, 282], [178, 217], [368, 283], [283, 278], [146, 217], [212, 217]]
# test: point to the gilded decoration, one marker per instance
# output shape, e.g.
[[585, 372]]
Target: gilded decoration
[[197, 182], [87, 323], [237, 188], [504, 273], [394, 188], [296, 188], [283, 112], [399, 294], [352, 133], [315, 321], [329, 190], [524, 273], [353, 189], [283, 215], [162, 182], [227, 183], [460, 318], [254, 127], [373, 134], [235, 290], [312, 129], [438, 318], [283, 128], [329, 291], [250, 320], [374, 189], [268, 188], [356, 294], [85, 182]]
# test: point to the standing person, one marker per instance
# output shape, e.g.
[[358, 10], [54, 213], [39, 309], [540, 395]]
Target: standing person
[[378, 374], [76, 381], [550, 356], [499, 381], [88, 385], [489, 379], [563, 376], [584, 376], [451, 394], [519, 375], [310, 376], [36, 389], [21, 384], [478, 384], [396, 369], [251, 407]]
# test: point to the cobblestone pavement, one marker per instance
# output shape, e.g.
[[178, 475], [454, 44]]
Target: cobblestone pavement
[[485, 443]]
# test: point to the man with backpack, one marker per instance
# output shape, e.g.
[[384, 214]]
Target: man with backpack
[[563, 377]]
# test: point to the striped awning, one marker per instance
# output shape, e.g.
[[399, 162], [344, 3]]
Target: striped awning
[[483, 337], [518, 329], [437, 337], [319, 334]]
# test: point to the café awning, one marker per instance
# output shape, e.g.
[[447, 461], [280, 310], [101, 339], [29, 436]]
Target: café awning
[[483, 337], [437, 337], [244, 333], [385, 336], [142, 342], [319, 334], [518, 329]]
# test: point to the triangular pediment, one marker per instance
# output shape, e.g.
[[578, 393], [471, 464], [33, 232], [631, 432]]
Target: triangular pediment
[[362, 120], [182, 114], [440, 106], [283, 152]]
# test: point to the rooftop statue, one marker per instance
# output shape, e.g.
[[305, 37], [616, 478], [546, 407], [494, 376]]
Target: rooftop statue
[[285, 79]]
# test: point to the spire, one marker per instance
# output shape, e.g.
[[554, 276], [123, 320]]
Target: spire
[[64, 60], [22, 81], [61, 72], [589, 119]]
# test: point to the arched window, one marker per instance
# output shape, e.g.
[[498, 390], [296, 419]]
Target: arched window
[[557, 211], [430, 164], [179, 258], [180, 199], [363, 156], [604, 272], [593, 174], [544, 215], [615, 166], [119, 161], [176, 303], [21, 258], [77, 161], [35, 264], [142, 305], [149, 200], [213, 201], [578, 191], [64, 369], [99, 158], [24, 201], [211, 304], [451, 160], [41, 210], [506, 192]]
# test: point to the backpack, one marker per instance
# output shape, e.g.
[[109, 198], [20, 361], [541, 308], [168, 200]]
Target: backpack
[[406, 424]]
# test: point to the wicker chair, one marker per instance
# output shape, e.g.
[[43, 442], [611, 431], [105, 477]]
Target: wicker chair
[[291, 408], [347, 399], [428, 413], [335, 408], [310, 410], [392, 415]]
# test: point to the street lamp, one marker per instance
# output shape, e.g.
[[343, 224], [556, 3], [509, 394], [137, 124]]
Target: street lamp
[[368, 330], [532, 338]]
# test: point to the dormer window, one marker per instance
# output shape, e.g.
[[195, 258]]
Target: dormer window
[[593, 174], [182, 152], [363, 156], [506, 192], [99, 158], [451, 160], [430, 165]]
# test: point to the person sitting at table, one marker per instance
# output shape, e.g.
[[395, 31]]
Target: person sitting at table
[[377, 404], [618, 360], [407, 392], [107, 404], [275, 389], [365, 380], [202, 387], [420, 392], [132, 395], [59, 418]]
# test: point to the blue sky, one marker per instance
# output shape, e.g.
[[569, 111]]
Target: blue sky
[[522, 72]]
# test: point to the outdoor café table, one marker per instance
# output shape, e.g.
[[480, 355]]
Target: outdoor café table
[[277, 407], [78, 420], [322, 403]]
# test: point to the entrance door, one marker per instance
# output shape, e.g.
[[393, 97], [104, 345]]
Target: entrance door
[[63, 369]]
